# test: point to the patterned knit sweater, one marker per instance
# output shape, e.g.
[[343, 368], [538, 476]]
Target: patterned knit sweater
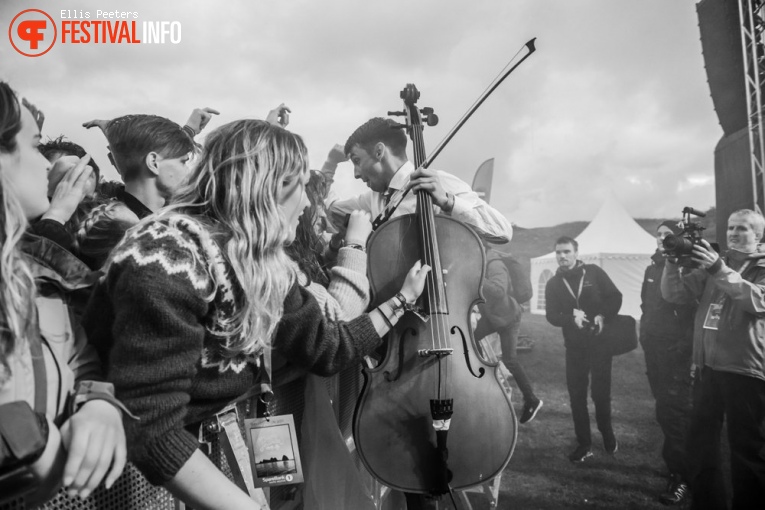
[[157, 319]]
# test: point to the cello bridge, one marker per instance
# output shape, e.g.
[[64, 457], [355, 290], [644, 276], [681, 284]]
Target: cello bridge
[[439, 353]]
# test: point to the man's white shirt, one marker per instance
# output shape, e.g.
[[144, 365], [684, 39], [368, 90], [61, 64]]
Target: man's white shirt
[[468, 208]]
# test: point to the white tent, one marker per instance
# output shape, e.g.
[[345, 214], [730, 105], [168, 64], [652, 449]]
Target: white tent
[[613, 241]]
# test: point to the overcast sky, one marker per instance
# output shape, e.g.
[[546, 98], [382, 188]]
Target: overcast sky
[[614, 99]]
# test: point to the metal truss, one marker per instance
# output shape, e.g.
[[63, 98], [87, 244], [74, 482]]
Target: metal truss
[[752, 21]]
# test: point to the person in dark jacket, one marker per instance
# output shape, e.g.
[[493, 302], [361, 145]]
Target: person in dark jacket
[[666, 335], [580, 297], [729, 360]]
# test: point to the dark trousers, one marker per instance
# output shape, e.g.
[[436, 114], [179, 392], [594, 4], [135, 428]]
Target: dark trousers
[[582, 363], [669, 375], [508, 338], [741, 400]]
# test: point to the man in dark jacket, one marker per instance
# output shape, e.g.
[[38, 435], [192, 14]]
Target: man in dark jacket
[[579, 298], [666, 334], [729, 356]]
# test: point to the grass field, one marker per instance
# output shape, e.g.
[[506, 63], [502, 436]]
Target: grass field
[[540, 476]]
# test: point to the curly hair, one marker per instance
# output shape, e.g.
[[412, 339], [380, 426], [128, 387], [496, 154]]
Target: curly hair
[[17, 287], [233, 191]]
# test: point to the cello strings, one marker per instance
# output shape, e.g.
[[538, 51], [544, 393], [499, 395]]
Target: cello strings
[[422, 204], [441, 325], [435, 279]]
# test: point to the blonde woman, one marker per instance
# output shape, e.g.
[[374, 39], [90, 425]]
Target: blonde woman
[[195, 297], [44, 357]]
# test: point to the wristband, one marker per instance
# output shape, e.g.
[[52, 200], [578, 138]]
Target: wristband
[[85, 391], [190, 131], [406, 305]]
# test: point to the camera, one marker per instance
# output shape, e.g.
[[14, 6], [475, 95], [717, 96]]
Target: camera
[[590, 328], [681, 246]]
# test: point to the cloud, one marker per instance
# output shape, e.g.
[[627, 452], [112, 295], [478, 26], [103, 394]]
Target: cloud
[[614, 100]]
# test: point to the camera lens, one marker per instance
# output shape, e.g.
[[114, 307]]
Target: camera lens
[[678, 245]]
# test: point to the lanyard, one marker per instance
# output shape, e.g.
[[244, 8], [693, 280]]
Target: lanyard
[[579, 292]]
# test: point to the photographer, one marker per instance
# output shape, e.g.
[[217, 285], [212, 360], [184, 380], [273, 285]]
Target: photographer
[[729, 356], [666, 335], [578, 299]]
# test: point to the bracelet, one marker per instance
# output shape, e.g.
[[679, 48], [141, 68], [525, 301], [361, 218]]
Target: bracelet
[[385, 316], [356, 247], [85, 391], [406, 305], [190, 131]]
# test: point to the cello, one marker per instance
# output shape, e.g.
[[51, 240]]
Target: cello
[[432, 417]]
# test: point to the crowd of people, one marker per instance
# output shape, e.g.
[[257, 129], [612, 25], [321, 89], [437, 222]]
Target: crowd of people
[[133, 312]]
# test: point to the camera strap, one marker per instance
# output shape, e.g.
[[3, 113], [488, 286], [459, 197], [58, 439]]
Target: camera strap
[[579, 291]]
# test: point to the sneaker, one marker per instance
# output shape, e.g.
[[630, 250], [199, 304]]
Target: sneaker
[[580, 454], [530, 410], [610, 443], [677, 492]]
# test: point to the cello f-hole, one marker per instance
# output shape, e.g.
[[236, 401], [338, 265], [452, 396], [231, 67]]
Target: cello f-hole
[[481, 370]]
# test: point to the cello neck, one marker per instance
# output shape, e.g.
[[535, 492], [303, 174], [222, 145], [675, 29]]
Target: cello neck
[[435, 295]]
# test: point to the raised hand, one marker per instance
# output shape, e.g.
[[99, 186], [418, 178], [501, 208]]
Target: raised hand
[[279, 116], [199, 118], [337, 154], [359, 228], [72, 189], [99, 123]]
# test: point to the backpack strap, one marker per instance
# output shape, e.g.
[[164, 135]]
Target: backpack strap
[[38, 368]]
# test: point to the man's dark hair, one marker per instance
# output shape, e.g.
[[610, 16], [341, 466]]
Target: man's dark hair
[[132, 137], [567, 240], [376, 130], [62, 147]]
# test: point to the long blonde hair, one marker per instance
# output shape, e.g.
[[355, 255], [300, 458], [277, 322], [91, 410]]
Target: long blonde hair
[[17, 287], [234, 191]]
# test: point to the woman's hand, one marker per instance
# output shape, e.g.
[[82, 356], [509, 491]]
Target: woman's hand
[[415, 282], [359, 228], [279, 116], [200, 117], [95, 442], [73, 188]]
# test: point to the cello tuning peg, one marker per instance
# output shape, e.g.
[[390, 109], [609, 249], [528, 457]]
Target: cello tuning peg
[[396, 114], [431, 117]]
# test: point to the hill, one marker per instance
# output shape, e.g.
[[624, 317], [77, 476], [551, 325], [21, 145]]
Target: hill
[[528, 243]]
